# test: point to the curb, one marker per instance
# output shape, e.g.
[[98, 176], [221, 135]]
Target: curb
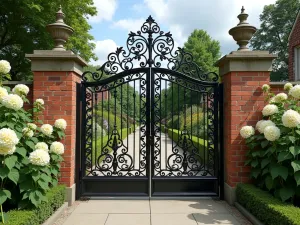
[[52, 219], [247, 214]]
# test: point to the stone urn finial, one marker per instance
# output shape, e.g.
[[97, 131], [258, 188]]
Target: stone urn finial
[[60, 31], [243, 32]]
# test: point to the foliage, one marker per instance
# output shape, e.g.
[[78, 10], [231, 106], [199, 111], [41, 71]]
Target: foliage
[[276, 24], [265, 207], [204, 49], [274, 151], [107, 120], [37, 216], [28, 168], [28, 33]]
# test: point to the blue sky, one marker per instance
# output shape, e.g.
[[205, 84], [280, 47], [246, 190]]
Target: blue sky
[[117, 17]]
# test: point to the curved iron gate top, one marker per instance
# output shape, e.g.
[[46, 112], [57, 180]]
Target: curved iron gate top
[[116, 169]]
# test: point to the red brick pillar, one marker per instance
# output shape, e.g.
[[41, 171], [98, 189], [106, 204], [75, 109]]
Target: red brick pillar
[[55, 76], [243, 73]]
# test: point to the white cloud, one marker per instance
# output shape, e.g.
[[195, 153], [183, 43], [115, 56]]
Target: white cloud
[[129, 24], [215, 16], [106, 10], [103, 48]]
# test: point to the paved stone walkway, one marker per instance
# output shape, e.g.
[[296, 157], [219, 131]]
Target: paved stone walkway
[[153, 212]]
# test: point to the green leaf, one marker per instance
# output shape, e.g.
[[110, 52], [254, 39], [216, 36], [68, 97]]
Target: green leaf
[[286, 193], [10, 161], [14, 176], [30, 144], [3, 172], [22, 151], [296, 165], [264, 144], [284, 156], [36, 175], [297, 177], [269, 182], [292, 139], [46, 178], [295, 150], [277, 170], [265, 162], [43, 184], [34, 198], [26, 185], [254, 163], [3, 197], [7, 192]]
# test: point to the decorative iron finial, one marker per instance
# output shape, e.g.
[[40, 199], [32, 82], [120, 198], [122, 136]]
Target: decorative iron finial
[[243, 32], [59, 31]]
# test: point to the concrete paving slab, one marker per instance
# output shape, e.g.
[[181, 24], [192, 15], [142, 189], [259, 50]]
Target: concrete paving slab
[[128, 219], [172, 219], [213, 218], [113, 206], [84, 219], [186, 206]]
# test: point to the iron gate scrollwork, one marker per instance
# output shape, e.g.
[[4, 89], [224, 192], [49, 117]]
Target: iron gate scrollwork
[[150, 122]]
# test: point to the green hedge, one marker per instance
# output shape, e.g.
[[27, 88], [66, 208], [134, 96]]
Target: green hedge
[[265, 207], [56, 198], [197, 142]]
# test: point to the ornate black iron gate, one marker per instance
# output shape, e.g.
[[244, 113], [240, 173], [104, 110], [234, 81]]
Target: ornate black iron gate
[[149, 123]]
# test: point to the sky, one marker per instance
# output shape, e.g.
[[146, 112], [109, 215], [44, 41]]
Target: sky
[[115, 18]]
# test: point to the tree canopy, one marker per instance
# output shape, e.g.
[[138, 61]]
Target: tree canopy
[[276, 24], [23, 29]]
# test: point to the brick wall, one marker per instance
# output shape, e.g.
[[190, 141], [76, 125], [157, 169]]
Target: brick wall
[[243, 102], [294, 41], [58, 89]]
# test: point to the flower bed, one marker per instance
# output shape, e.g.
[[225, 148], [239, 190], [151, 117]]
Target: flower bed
[[274, 150], [265, 207], [30, 151]]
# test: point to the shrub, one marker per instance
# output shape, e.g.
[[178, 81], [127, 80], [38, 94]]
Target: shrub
[[107, 119], [30, 155], [265, 207], [274, 150], [194, 124], [56, 198], [174, 122]]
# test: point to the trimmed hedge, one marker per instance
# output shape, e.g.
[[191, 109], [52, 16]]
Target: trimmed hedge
[[265, 207], [197, 142], [56, 198]]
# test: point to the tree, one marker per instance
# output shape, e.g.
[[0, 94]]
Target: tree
[[23, 29], [276, 24], [204, 49]]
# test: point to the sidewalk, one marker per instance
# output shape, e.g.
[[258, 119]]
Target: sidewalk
[[151, 212]]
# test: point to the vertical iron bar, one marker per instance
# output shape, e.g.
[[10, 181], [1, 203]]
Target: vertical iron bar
[[96, 133], [148, 122], [134, 120], [121, 112]]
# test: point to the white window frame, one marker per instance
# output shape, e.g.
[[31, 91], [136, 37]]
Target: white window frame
[[297, 63]]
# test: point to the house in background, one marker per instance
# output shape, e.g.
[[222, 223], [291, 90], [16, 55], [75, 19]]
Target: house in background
[[294, 51]]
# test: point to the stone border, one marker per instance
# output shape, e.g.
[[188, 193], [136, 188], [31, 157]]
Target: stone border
[[247, 214], [52, 219]]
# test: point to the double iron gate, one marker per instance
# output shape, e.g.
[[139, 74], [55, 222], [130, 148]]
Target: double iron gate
[[149, 123]]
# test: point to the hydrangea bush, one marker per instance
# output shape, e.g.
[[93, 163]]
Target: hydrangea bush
[[274, 148], [30, 151]]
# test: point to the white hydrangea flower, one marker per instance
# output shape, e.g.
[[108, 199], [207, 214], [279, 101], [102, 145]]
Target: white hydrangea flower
[[272, 133], [290, 118], [41, 145], [7, 151], [280, 97], [3, 93], [47, 129], [272, 100], [266, 87], [269, 110], [20, 89], [13, 101], [27, 132], [261, 125], [39, 157], [287, 86], [32, 126], [57, 147], [247, 131], [295, 91], [8, 138], [40, 101], [60, 124], [4, 67]]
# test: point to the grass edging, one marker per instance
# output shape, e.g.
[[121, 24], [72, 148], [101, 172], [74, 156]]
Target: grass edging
[[247, 214], [51, 220], [266, 208], [56, 198]]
